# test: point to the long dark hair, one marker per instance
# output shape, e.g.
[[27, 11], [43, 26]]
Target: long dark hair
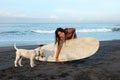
[[57, 38]]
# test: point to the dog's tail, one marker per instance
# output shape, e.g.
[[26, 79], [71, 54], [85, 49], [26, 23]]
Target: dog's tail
[[15, 47]]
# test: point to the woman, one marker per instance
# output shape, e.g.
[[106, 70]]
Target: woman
[[61, 35]]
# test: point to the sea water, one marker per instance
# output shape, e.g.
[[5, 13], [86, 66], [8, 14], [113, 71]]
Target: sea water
[[44, 33]]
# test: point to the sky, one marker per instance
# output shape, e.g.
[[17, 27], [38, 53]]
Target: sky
[[59, 11]]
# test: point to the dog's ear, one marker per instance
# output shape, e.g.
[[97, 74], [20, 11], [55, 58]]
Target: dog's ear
[[41, 45], [37, 52]]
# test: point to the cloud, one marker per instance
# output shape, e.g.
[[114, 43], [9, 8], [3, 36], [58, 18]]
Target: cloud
[[12, 14], [54, 17]]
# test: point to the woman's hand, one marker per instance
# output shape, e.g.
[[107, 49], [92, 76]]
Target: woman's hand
[[56, 60]]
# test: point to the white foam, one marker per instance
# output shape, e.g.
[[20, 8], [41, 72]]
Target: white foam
[[43, 31], [78, 31], [94, 30]]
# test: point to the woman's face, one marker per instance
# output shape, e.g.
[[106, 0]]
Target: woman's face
[[61, 35]]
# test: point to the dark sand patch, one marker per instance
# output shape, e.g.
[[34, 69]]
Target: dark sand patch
[[104, 65]]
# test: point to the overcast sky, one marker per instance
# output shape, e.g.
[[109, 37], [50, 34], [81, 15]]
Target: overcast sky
[[59, 11]]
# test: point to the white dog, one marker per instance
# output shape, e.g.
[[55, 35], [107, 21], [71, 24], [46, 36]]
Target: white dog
[[30, 54]]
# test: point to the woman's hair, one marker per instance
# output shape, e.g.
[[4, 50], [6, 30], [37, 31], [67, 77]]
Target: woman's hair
[[57, 38]]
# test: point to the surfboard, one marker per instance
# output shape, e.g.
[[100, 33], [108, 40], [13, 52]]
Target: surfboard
[[73, 49]]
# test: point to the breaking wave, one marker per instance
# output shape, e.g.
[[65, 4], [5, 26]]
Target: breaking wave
[[81, 30], [43, 31], [52, 31]]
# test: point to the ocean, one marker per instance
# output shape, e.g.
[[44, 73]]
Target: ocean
[[43, 33]]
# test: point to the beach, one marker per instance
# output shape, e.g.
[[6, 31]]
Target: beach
[[104, 65]]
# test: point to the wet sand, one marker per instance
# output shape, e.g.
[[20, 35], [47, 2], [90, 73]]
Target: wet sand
[[104, 65]]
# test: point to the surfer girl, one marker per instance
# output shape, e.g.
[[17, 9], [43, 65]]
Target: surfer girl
[[61, 35]]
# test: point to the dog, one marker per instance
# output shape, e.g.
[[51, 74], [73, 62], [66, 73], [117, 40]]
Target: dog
[[30, 54]]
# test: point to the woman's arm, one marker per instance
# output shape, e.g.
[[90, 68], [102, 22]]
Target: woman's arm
[[70, 33], [58, 50], [70, 30]]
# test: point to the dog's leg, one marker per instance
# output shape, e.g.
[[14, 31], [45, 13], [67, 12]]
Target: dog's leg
[[19, 62], [16, 60], [32, 64]]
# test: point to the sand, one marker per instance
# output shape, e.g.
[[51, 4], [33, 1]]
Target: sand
[[104, 65]]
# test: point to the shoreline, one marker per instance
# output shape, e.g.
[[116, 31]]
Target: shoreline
[[104, 65], [28, 43], [33, 45]]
